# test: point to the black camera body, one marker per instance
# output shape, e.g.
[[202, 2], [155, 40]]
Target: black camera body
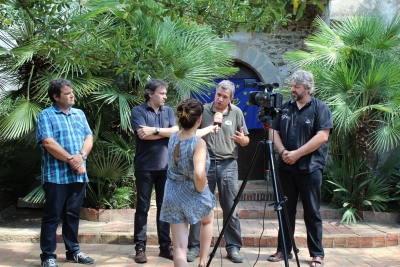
[[268, 98], [269, 101]]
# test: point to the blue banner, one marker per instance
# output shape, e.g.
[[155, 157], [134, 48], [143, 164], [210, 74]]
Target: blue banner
[[241, 99]]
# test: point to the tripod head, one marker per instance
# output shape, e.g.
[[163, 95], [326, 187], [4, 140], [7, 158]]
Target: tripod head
[[266, 116]]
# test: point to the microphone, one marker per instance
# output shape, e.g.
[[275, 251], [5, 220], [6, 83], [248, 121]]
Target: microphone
[[218, 120]]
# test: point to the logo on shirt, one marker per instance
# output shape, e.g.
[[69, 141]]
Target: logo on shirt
[[308, 121], [228, 122], [284, 117]]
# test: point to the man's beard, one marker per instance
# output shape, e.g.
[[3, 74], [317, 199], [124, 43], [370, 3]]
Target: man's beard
[[298, 97]]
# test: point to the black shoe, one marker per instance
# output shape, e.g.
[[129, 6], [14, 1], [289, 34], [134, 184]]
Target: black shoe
[[79, 258], [49, 263], [167, 253], [140, 256]]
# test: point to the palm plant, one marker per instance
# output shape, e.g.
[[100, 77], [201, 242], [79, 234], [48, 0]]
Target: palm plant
[[355, 62], [108, 53], [353, 193]]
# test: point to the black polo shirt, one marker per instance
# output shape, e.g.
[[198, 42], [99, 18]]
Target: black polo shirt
[[152, 155], [297, 127]]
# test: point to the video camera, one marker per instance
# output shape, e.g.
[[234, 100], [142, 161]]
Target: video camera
[[269, 100]]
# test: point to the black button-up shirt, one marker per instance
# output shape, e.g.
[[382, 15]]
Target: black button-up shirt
[[297, 127]]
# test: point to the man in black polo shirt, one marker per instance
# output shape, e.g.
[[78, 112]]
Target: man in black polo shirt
[[301, 137], [153, 124]]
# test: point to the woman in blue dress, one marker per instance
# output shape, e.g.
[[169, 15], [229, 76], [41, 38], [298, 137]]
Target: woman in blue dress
[[187, 198]]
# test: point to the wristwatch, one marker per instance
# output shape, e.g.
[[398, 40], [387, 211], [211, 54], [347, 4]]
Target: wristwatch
[[84, 156], [157, 131]]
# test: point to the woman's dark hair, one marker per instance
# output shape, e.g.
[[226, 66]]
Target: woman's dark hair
[[55, 88], [151, 87], [188, 112]]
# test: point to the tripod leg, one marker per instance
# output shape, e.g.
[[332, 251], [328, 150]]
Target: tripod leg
[[278, 207], [236, 201]]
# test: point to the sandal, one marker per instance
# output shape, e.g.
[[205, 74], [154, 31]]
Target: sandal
[[279, 256], [317, 262]]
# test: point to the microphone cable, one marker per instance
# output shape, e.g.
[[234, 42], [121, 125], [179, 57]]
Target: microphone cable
[[262, 232], [216, 186]]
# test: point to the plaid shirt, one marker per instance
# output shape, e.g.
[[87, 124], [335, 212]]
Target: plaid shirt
[[70, 132]]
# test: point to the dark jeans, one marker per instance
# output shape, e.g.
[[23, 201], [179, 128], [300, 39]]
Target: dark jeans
[[144, 185], [225, 176], [61, 200], [309, 187]]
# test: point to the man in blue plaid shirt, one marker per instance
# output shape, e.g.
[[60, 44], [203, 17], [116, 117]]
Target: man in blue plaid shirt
[[65, 138]]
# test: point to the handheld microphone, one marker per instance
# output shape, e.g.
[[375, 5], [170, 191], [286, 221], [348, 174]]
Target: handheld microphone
[[218, 119]]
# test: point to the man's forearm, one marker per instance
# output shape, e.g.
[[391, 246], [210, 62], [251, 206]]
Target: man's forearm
[[56, 150], [314, 143], [87, 145], [164, 133], [275, 137]]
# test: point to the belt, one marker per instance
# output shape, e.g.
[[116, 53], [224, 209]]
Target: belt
[[221, 160]]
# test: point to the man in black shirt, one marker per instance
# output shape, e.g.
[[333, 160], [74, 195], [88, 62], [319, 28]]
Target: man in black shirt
[[301, 137], [153, 123]]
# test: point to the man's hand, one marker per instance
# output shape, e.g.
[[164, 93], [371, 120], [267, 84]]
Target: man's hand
[[290, 157], [145, 131], [75, 161], [240, 137], [81, 169]]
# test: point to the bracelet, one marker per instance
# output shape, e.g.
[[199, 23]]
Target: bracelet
[[283, 150]]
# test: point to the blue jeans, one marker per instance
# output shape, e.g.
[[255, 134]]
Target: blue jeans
[[61, 200], [308, 186], [224, 175], [144, 185]]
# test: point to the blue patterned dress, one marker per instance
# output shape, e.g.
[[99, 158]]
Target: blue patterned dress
[[182, 202]]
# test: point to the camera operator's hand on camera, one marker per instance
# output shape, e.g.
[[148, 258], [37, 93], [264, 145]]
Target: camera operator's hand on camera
[[290, 157]]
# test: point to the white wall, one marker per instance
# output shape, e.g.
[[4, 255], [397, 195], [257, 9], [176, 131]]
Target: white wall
[[384, 8]]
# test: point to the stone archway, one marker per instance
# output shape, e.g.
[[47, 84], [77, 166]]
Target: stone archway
[[258, 61]]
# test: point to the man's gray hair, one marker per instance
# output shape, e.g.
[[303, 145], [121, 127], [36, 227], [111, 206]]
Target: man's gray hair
[[305, 78], [227, 85]]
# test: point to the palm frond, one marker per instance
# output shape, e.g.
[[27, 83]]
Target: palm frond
[[21, 121], [107, 165], [126, 101]]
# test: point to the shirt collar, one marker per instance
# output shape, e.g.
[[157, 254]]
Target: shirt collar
[[224, 114], [58, 110], [293, 102], [161, 108]]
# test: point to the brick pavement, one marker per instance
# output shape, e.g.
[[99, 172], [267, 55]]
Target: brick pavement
[[27, 254], [368, 243]]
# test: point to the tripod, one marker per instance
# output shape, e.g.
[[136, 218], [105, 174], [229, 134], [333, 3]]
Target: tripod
[[278, 202]]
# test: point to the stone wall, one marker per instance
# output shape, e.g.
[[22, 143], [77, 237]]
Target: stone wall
[[264, 52]]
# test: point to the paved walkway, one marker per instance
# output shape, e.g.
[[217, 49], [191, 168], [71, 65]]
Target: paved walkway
[[27, 254], [335, 234], [367, 243]]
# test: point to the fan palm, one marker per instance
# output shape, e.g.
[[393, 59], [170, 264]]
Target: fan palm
[[108, 54], [355, 62]]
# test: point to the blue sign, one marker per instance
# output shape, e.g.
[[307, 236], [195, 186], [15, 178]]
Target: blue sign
[[241, 99]]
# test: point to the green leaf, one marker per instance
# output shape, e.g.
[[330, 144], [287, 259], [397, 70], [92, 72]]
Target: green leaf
[[300, 11], [366, 202], [21, 120]]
